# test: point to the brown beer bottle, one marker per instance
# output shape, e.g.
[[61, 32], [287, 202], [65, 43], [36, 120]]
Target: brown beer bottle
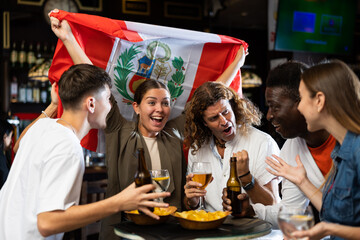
[[142, 175], [234, 189]]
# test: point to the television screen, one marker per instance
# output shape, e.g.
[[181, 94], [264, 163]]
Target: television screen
[[323, 26]]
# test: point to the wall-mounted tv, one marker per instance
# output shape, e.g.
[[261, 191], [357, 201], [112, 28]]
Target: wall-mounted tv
[[322, 26]]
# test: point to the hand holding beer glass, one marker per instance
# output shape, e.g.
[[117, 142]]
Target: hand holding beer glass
[[202, 174], [291, 219]]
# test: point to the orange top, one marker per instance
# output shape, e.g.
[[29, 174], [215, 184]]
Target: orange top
[[322, 153]]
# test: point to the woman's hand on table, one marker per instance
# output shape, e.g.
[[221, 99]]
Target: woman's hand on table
[[246, 208], [139, 198]]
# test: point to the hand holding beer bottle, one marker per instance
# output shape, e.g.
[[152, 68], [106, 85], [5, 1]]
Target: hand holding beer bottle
[[142, 175], [234, 189]]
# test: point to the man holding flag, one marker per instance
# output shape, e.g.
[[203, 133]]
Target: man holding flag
[[179, 59]]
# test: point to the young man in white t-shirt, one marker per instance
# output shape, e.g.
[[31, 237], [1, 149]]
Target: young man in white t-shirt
[[40, 198]]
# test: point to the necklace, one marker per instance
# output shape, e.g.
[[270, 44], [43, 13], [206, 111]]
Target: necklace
[[72, 128], [218, 143]]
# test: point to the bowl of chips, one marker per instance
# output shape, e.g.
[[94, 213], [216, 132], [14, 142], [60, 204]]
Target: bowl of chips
[[200, 219], [143, 219]]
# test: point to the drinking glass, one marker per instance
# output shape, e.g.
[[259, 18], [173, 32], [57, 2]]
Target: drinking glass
[[292, 219], [161, 179], [202, 174]]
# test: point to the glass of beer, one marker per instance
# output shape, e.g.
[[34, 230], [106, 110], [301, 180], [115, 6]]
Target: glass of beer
[[161, 179], [291, 219], [202, 174]]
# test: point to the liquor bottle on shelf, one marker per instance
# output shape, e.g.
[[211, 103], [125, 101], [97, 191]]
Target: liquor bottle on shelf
[[142, 175], [29, 92], [46, 51], [22, 55], [234, 189], [14, 56], [14, 89], [22, 93], [39, 54], [36, 91], [44, 92], [31, 56]]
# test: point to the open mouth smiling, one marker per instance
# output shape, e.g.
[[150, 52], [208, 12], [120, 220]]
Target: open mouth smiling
[[157, 119]]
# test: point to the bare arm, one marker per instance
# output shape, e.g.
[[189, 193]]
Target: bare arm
[[50, 111], [228, 75], [261, 194], [53, 222], [258, 194], [323, 229], [63, 31], [296, 175]]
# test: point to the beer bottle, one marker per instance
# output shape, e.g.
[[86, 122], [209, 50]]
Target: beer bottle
[[22, 56], [142, 175], [234, 189], [14, 56]]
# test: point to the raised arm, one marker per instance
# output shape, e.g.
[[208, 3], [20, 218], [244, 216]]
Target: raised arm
[[230, 72], [63, 31]]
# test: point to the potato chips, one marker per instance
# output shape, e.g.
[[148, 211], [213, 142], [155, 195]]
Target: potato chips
[[157, 211], [201, 216]]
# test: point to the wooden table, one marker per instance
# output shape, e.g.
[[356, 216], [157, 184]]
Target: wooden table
[[243, 228]]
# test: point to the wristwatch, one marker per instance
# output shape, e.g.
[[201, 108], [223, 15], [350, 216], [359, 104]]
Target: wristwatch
[[250, 185]]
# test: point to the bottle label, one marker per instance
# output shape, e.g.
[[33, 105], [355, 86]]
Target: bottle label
[[22, 57], [29, 97], [14, 89], [14, 56], [36, 95], [22, 95], [43, 96], [31, 58]]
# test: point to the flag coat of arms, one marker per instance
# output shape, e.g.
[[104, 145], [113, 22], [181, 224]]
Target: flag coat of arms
[[134, 52]]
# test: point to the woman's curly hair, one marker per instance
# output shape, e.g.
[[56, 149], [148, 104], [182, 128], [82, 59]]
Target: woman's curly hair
[[196, 133]]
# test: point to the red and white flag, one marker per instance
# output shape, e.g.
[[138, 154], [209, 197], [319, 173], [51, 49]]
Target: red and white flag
[[133, 52]]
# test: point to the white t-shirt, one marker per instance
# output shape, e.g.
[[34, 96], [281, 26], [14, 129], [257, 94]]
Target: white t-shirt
[[291, 194], [46, 175], [258, 144]]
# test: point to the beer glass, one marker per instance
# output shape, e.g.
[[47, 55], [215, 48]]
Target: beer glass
[[292, 219], [202, 174]]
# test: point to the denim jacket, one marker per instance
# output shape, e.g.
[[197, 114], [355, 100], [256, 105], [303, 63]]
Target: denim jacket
[[341, 195]]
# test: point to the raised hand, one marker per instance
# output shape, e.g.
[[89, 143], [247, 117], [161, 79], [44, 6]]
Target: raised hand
[[296, 174], [61, 29], [242, 162]]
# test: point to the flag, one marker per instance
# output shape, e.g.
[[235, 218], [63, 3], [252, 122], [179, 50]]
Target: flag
[[133, 52]]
